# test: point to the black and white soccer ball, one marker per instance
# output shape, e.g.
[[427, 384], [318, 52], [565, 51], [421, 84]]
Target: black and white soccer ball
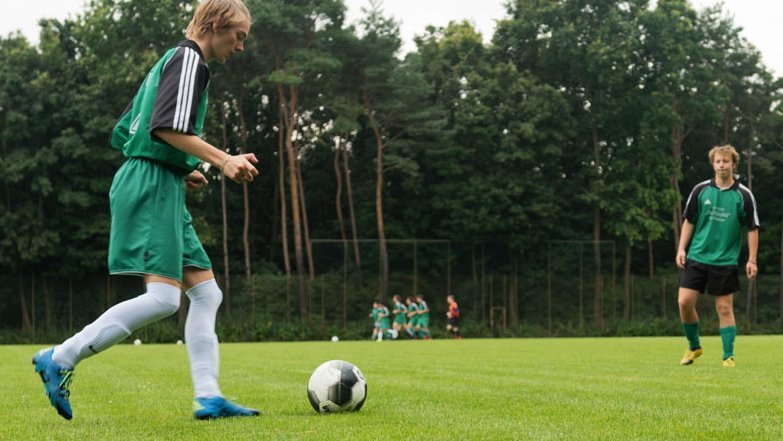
[[337, 386]]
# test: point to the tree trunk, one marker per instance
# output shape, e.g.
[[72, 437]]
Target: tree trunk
[[483, 287], [338, 197], [780, 280], [245, 190], [26, 322], [598, 313], [275, 221], [32, 301], [281, 186], [750, 307], [383, 256], [415, 267], [349, 189], [308, 243], [305, 224], [47, 304], [224, 209], [678, 137], [627, 283], [70, 305], [650, 256], [290, 119]]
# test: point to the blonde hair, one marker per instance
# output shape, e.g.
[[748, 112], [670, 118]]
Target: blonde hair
[[723, 149], [216, 14]]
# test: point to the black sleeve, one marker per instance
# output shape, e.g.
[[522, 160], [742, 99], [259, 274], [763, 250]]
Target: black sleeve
[[692, 204], [751, 214], [182, 83]]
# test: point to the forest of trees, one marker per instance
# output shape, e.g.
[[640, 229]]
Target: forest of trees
[[462, 166]]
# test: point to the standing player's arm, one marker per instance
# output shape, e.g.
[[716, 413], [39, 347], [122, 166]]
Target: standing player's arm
[[751, 269], [238, 168], [685, 238]]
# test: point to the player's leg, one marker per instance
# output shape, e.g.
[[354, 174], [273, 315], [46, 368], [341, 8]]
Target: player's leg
[[692, 282], [55, 365], [118, 322], [205, 298], [686, 300], [725, 279], [728, 327], [202, 342], [410, 329]]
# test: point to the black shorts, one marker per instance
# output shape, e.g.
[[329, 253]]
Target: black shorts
[[718, 280], [454, 321]]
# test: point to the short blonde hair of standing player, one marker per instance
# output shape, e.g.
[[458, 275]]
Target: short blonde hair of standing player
[[722, 150], [212, 16]]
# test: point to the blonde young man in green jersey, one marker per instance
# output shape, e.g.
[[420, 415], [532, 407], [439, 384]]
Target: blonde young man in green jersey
[[151, 231], [716, 214]]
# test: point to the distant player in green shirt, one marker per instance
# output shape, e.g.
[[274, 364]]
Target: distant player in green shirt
[[413, 317], [423, 325], [152, 235], [376, 323], [384, 322], [716, 214], [400, 313]]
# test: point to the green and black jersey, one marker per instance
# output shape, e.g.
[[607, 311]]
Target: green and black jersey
[[399, 312], [172, 96], [719, 217]]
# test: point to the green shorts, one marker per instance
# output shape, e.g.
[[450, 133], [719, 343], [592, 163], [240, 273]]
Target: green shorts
[[413, 322], [424, 321], [151, 229], [399, 318]]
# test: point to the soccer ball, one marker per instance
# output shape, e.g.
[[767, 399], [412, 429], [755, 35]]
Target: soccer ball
[[137, 342], [335, 339], [337, 386]]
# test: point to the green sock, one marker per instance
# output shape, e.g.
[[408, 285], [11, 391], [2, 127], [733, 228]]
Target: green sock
[[692, 334], [727, 335]]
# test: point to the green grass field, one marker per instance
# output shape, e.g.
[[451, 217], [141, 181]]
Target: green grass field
[[537, 389]]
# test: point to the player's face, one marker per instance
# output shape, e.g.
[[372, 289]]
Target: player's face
[[227, 42], [723, 164]]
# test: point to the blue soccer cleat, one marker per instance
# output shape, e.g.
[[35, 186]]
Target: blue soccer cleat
[[219, 407], [56, 379]]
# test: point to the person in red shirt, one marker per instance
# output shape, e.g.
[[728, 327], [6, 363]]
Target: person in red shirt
[[453, 316]]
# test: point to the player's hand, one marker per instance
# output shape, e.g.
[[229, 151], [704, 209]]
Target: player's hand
[[680, 259], [240, 168], [195, 181], [751, 270]]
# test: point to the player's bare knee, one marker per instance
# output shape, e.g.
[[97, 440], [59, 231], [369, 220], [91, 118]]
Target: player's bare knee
[[724, 309]]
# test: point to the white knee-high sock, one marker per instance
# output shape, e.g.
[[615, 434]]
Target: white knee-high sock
[[201, 340], [118, 322]]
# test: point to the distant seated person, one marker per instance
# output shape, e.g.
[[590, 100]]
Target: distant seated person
[[453, 316]]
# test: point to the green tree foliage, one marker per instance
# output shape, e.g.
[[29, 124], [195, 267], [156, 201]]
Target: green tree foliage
[[580, 120]]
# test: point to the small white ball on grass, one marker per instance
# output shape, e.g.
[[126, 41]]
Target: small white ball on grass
[[335, 339], [137, 342], [179, 342]]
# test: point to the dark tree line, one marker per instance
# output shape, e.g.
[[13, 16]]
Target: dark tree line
[[582, 119]]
